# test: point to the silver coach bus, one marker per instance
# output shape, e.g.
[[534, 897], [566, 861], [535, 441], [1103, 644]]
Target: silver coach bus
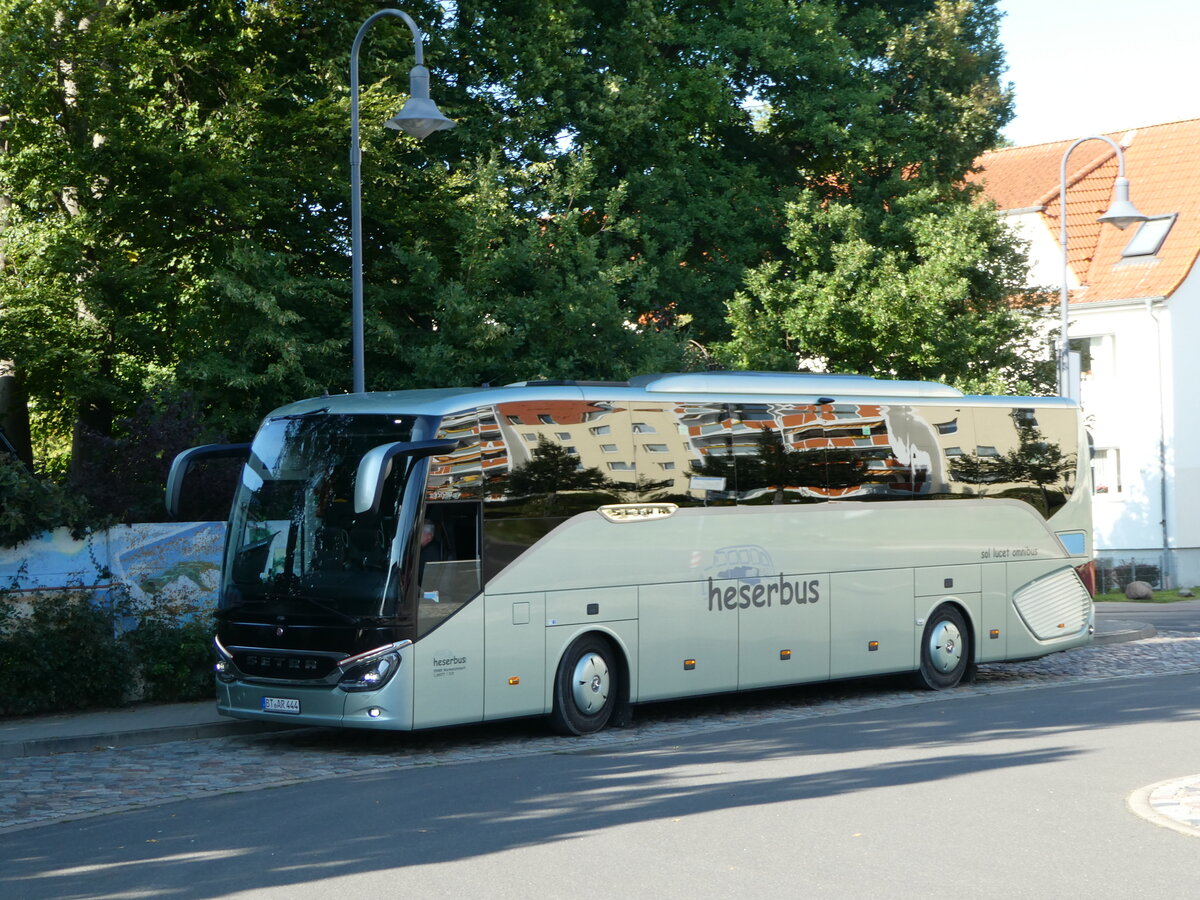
[[415, 559]]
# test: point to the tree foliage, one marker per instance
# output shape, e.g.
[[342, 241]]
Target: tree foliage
[[936, 290], [763, 181]]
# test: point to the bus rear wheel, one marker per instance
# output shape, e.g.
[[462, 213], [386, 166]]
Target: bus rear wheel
[[944, 650], [585, 687]]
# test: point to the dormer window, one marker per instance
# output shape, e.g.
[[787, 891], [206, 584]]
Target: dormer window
[[1149, 236]]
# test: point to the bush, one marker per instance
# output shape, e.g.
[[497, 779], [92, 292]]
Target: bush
[[174, 659], [29, 506], [65, 653], [123, 476]]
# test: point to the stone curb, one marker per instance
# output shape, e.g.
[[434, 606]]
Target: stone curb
[[136, 738], [1173, 804]]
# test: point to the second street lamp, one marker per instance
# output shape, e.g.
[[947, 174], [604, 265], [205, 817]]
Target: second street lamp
[[1121, 212], [420, 118]]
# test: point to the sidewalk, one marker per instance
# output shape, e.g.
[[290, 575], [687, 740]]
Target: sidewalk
[[157, 723], [133, 726]]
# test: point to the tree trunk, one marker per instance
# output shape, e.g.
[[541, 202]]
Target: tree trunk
[[14, 414]]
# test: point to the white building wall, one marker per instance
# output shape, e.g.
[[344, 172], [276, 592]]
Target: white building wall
[[1125, 412], [1045, 258], [1183, 398]]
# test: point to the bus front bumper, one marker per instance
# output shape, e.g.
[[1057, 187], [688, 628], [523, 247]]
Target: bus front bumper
[[320, 706]]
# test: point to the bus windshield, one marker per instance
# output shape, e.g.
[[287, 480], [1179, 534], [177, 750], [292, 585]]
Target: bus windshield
[[296, 542]]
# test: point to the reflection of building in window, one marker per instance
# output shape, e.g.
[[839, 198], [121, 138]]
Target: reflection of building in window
[[1106, 470]]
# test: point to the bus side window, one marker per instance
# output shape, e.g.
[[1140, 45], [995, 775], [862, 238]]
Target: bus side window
[[448, 568], [448, 563], [1022, 456]]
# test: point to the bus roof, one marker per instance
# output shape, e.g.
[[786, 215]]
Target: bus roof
[[713, 387]]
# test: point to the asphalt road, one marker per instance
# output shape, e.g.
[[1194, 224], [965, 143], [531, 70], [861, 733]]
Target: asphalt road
[[1182, 616], [1016, 794]]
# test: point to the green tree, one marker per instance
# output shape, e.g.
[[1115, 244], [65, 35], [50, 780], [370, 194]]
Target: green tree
[[171, 206], [173, 194], [934, 291]]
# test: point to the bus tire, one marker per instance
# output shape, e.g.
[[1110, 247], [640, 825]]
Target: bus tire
[[585, 687], [945, 650]]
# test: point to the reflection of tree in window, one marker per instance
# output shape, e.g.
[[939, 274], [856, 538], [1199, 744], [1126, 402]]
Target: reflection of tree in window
[[1036, 470], [773, 470], [552, 468]]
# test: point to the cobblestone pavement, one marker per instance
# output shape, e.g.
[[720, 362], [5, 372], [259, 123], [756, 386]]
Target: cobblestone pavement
[[37, 790]]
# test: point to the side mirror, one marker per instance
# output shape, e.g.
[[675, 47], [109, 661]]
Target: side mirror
[[376, 465], [184, 461]]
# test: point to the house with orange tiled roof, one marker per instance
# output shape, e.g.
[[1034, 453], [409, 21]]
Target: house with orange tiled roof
[[1134, 319]]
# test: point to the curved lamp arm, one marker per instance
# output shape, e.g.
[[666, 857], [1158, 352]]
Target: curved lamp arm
[[1121, 212]]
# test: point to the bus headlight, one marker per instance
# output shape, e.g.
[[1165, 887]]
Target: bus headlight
[[224, 671], [224, 668], [369, 671]]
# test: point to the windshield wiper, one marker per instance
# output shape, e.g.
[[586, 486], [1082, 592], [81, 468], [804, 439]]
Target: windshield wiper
[[303, 415]]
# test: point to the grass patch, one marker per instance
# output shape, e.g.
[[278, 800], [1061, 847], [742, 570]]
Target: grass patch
[[1159, 597]]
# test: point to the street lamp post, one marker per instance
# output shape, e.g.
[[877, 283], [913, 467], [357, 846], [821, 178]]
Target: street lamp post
[[420, 118], [1121, 212]]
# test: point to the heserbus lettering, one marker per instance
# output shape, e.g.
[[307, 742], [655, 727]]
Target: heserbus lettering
[[778, 592]]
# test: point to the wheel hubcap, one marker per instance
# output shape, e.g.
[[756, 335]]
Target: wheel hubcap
[[590, 683], [945, 646]]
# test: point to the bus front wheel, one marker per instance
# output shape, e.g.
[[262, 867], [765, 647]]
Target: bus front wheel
[[945, 648], [585, 687]]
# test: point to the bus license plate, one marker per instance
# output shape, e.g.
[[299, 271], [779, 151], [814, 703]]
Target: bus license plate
[[281, 705]]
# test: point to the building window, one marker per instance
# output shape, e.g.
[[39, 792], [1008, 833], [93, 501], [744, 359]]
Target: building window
[[620, 466], [667, 466], [1149, 236], [655, 448], [562, 435], [1106, 470], [1095, 355], [643, 428], [532, 438], [601, 429], [609, 448], [546, 419]]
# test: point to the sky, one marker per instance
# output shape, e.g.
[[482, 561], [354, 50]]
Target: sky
[[1082, 67]]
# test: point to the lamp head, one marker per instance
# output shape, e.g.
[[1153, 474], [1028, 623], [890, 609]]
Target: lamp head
[[1121, 211], [420, 116]]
